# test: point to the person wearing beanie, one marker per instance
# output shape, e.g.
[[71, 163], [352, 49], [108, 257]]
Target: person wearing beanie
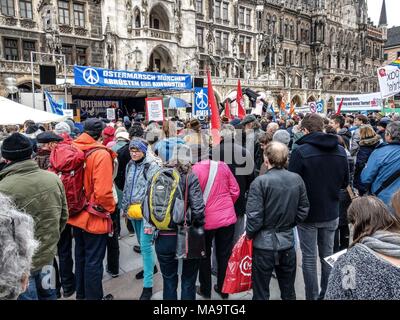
[[140, 170], [282, 136], [47, 141], [92, 226], [41, 195], [62, 127], [108, 135]]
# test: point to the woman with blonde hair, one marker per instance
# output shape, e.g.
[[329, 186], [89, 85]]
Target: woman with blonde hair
[[370, 270], [368, 143]]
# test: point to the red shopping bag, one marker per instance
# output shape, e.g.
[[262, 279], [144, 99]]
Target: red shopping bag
[[238, 273]]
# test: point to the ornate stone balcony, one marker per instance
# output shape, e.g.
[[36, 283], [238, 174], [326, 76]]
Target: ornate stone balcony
[[24, 67], [251, 83]]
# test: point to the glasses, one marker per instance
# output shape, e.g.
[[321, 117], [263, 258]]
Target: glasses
[[135, 151], [12, 224]]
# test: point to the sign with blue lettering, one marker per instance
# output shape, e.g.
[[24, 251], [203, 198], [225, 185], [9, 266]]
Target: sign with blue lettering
[[200, 106], [98, 77]]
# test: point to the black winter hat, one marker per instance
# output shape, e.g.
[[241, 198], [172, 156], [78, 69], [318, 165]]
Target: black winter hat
[[17, 147], [93, 127], [49, 136], [32, 129]]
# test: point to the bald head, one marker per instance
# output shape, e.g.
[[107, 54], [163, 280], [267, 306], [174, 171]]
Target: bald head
[[276, 155]]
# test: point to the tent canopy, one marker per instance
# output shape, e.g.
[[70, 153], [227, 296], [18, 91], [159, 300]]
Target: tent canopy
[[12, 112]]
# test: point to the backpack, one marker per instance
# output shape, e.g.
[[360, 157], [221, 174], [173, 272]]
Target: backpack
[[68, 162], [165, 200]]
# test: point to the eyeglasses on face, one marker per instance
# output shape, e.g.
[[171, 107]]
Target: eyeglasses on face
[[135, 151]]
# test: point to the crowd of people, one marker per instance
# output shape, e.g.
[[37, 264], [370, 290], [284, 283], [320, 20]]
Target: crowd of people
[[322, 184]]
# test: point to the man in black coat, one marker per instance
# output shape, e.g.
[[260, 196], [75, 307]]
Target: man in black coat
[[322, 163], [241, 164], [277, 202]]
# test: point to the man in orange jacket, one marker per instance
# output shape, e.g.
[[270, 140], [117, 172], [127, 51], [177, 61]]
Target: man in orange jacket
[[91, 227]]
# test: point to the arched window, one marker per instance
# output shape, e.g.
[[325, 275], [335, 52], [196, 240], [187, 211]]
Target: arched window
[[286, 29], [137, 19], [273, 24], [291, 30]]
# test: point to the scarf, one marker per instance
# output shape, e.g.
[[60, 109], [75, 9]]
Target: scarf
[[384, 242]]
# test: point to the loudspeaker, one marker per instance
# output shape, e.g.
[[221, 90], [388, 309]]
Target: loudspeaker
[[47, 74], [198, 82]]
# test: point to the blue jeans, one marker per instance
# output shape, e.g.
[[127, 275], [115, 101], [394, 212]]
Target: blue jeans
[[284, 263], [66, 262], [42, 285], [166, 249], [148, 254], [90, 250], [316, 237]]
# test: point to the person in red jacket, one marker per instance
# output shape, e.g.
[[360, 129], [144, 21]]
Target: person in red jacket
[[220, 219], [91, 230]]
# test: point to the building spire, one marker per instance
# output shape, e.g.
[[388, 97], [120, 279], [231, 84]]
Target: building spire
[[383, 18]]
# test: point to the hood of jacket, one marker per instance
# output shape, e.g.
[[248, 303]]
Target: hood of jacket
[[344, 132], [85, 143], [370, 141], [320, 140]]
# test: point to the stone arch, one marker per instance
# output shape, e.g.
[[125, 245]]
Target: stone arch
[[159, 17], [296, 100], [160, 59], [311, 99]]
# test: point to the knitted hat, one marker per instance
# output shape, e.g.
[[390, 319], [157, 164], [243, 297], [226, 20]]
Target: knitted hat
[[61, 128], [138, 144], [71, 124], [16, 147]]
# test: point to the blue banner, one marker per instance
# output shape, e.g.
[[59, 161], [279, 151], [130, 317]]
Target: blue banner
[[98, 77], [200, 105]]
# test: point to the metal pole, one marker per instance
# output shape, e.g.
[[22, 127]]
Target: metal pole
[[33, 82], [65, 82]]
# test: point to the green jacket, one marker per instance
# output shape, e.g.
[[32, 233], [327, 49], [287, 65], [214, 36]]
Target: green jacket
[[40, 194]]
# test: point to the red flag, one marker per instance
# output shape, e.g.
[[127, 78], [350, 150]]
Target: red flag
[[228, 110], [340, 107], [240, 101], [215, 120], [291, 108]]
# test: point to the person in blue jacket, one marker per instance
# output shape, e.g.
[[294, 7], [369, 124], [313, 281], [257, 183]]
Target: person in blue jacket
[[383, 163]]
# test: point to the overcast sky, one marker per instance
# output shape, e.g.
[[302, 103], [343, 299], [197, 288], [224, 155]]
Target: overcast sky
[[392, 9]]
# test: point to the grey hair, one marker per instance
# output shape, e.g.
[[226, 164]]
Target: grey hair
[[227, 132], [393, 129], [282, 136], [272, 127], [16, 250]]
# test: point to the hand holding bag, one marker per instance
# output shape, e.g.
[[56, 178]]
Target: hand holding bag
[[190, 242]]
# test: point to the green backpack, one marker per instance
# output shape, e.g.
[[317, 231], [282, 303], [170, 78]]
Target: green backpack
[[165, 200]]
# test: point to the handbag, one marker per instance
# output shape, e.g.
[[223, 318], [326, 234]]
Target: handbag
[[190, 242]]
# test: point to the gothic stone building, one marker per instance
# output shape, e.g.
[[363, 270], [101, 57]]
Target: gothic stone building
[[301, 49], [69, 27]]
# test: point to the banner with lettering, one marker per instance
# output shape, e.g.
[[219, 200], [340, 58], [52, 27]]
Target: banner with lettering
[[360, 102], [99, 77]]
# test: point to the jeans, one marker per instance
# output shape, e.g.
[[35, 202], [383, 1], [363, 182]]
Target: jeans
[[113, 245], [316, 237], [166, 249], [223, 245], [284, 263], [42, 285], [148, 254], [90, 250], [66, 262]]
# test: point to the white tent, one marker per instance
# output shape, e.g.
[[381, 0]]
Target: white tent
[[15, 113]]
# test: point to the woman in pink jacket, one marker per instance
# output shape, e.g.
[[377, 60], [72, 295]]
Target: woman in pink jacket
[[220, 219]]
